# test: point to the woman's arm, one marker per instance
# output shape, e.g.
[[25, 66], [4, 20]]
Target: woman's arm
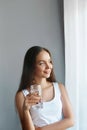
[[68, 119], [23, 105]]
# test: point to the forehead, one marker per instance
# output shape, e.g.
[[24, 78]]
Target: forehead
[[43, 55]]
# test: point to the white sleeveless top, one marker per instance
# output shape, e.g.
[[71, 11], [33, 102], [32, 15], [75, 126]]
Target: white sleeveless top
[[51, 111]]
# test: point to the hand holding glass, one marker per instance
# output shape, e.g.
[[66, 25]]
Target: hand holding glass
[[36, 88]]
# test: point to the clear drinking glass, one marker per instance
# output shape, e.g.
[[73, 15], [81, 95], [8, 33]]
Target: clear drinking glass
[[37, 88]]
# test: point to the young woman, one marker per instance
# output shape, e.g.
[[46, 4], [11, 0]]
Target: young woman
[[56, 113]]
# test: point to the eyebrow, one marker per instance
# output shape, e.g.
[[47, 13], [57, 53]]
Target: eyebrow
[[43, 60]]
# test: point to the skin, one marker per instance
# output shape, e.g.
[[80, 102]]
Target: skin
[[42, 72]]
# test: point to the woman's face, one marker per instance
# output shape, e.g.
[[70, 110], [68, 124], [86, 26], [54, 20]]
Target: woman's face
[[43, 65]]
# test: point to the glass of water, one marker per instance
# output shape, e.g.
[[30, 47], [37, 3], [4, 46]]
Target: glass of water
[[38, 89]]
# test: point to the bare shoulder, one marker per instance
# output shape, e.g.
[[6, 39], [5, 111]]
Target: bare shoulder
[[64, 95], [19, 100], [66, 103], [19, 96], [61, 86], [63, 89]]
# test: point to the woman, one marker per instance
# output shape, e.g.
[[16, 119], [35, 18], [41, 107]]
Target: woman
[[56, 113]]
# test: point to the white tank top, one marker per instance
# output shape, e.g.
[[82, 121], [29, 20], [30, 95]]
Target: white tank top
[[51, 111]]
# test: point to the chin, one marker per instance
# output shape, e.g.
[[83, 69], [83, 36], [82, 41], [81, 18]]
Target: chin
[[47, 76]]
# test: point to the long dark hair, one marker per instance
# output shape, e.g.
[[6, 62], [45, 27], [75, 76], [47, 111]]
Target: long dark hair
[[28, 67]]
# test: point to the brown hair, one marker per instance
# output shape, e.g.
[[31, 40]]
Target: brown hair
[[28, 67]]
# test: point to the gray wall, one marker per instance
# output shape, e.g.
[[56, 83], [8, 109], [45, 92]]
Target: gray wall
[[24, 23]]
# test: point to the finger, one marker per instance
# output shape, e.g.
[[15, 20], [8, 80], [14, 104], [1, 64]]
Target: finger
[[34, 97], [35, 101], [28, 103], [35, 94]]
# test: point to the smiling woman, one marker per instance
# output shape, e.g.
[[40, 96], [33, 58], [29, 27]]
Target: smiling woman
[[43, 64], [56, 113]]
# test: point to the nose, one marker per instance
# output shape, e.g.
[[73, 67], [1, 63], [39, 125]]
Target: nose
[[48, 66]]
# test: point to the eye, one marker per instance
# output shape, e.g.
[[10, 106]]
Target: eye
[[41, 63]]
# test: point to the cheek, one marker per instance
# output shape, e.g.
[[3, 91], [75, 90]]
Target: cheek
[[38, 70]]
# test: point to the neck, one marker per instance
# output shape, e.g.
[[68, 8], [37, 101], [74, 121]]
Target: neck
[[43, 82]]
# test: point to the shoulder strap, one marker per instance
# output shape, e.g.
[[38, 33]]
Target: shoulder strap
[[57, 89]]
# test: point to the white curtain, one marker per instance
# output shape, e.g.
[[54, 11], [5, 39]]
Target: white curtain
[[75, 30]]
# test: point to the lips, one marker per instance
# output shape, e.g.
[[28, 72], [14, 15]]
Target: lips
[[47, 72]]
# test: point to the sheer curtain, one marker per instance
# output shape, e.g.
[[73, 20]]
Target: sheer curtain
[[75, 31]]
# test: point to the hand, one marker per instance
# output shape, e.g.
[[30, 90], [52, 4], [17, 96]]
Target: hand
[[30, 100]]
